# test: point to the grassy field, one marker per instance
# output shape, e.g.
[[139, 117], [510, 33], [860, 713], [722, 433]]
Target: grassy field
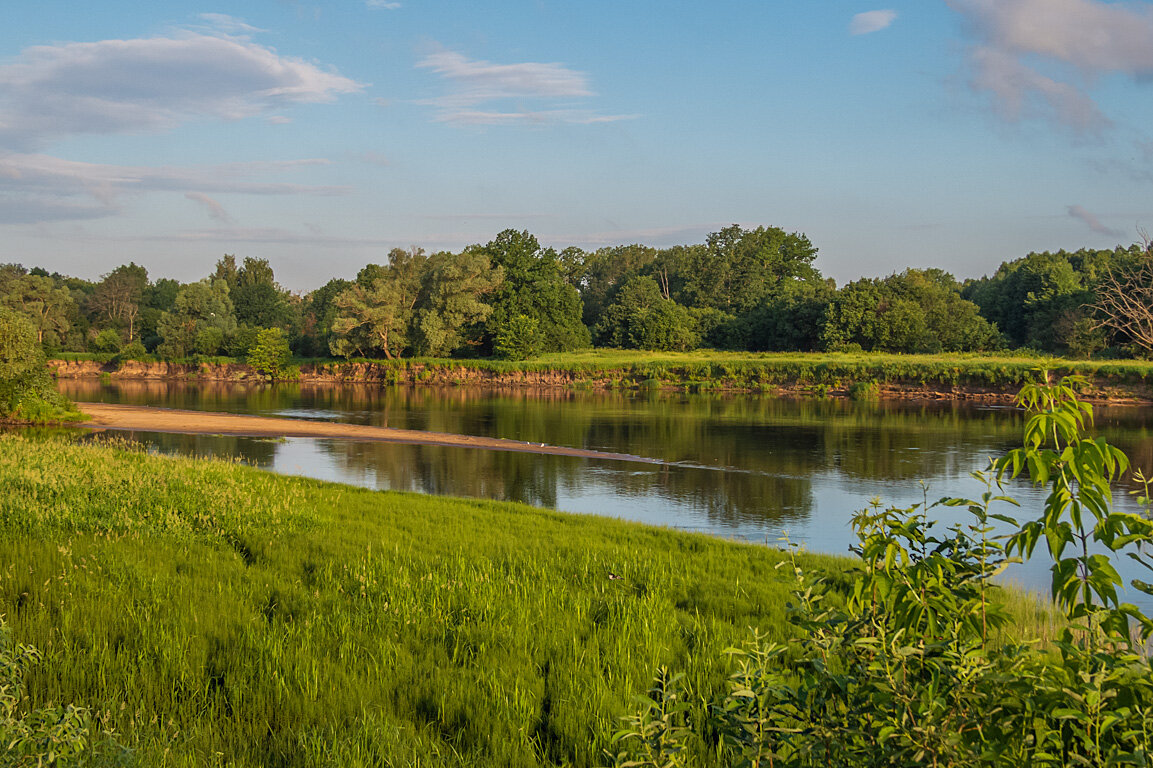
[[216, 614], [817, 373]]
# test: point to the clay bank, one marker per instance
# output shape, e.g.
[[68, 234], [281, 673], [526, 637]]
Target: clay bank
[[857, 376]]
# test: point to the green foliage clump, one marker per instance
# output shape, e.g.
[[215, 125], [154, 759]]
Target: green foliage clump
[[916, 666], [60, 737], [426, 304], [914, 311], [518, 338], [533, 286], [270, 355], [641, 318], [202, 314], [108, 340], [26, 391]]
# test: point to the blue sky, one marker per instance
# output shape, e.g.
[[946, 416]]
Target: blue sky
[[949, 133]]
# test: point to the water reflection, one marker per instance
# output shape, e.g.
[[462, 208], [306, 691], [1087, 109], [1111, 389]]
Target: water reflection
[[743, 466]]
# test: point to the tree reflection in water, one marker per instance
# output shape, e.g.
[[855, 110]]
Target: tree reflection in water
[[739, 465]]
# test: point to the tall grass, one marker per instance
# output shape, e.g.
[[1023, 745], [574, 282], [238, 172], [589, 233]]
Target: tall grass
[[214, 614]]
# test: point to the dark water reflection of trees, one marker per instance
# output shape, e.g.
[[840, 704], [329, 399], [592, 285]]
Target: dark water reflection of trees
[[740, 463]]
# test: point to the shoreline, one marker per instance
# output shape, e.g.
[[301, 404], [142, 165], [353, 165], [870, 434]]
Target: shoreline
[[863, 377], [143, 418]]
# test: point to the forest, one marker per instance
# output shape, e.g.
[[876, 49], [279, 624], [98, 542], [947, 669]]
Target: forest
[[742, 289]]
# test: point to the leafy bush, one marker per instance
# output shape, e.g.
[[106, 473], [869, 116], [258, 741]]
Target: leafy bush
[[26, 391], [108, 340], [518, 339], [913, 666], [133, 350], [54, 736], [270, 355]]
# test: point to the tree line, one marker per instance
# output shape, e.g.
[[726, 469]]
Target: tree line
[[742, 289]]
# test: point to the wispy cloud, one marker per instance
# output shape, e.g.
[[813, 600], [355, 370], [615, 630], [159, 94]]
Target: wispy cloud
[[152, 84], [230, 25], [1092, 222], [215, 209], [473, 83], [388, 5], [374, 158], [1085, 38], [41, 188], [871, 21]]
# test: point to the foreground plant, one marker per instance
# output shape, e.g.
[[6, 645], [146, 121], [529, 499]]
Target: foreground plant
[[912, 666], [53, 736]]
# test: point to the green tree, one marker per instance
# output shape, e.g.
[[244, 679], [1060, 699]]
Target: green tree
[[641, 318], [108, 340], [453, 292], [200, 318], [45, 304], [377, 317], [914, 311], [26, 390], [791, 319], [738, 268], [159, 297], [1040, 300], [518, 339], [603, 272], [118, 297], [270, 355], [533, 286], [319, 311], [258, 299]]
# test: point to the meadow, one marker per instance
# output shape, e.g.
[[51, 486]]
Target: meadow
[[214, 614]]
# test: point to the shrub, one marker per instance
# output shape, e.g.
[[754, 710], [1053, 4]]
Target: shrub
[[107, 340], [26, 391], [910, 667], [55, 736], [518, 339], [270, 355]]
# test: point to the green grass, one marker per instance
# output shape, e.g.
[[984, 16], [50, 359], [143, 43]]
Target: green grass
[[216, 614]]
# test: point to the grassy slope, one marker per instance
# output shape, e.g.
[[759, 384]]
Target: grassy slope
[[220, 614]]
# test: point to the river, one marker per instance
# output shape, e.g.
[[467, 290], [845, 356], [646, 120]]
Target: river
[[746, 467]]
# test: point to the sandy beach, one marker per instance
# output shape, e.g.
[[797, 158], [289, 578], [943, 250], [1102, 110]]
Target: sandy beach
[[139, 418]]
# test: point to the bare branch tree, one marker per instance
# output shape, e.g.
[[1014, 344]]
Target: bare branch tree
[[1125, 299]]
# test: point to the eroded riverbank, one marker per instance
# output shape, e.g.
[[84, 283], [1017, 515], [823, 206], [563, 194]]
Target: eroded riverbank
[[913, 377]]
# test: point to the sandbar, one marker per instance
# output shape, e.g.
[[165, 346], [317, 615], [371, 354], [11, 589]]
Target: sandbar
[[143, 418]]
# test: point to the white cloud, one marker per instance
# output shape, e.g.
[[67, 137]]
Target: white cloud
[[387, 5], [1091, 221], [1086, 38], [152, 84], [871, 21], [473, 83]]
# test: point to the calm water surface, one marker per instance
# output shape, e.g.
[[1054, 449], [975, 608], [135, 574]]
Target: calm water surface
[[741, 466]]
